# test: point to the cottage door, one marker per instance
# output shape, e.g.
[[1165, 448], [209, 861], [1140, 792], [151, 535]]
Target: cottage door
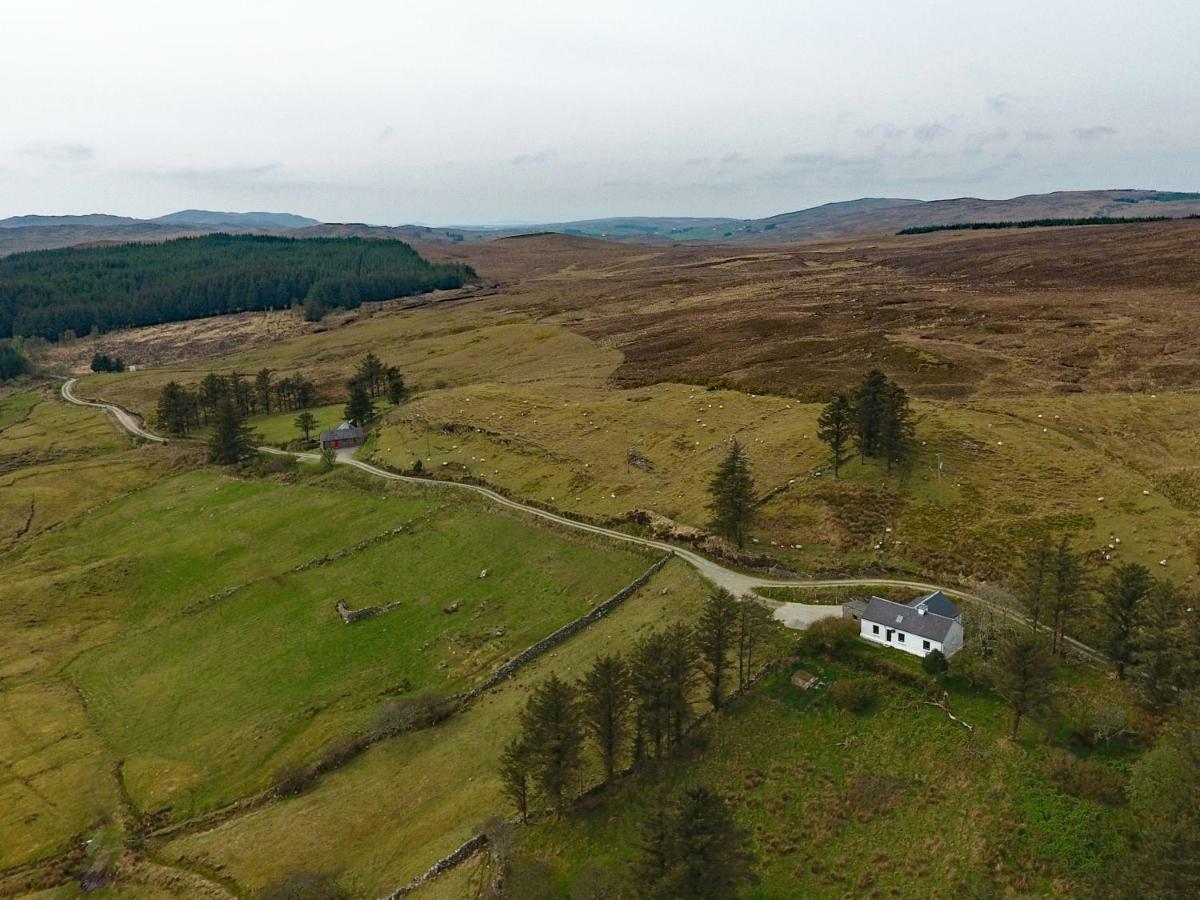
[[890, 632]]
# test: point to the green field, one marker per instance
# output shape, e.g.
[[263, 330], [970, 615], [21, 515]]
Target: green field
[[167, 630], [391, 813]]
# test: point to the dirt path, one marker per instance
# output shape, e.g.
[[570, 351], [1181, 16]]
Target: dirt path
[[740, 584]]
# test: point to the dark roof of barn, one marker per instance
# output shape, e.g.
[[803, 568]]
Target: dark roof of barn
[[342, 433], [907, 619]]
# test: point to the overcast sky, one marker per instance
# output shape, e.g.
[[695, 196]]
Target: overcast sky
[[490, 112]]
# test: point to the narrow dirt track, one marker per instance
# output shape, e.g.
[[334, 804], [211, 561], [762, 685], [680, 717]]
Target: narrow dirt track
[[740, 584]]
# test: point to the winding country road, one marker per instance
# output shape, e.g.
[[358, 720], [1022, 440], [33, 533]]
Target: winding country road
[[740, 584]]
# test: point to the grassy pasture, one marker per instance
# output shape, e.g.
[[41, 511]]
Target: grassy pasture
[[58, 460], [405, 803], [119, 640]]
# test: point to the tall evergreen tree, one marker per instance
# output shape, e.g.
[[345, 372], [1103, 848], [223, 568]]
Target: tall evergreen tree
[[835, 426], [372, 373], [1158, 650], [306, 422], [174, 408], [263, 388], [1022, 672], [397, 390], [753, 622], [680, 670], [693, 850], [359, 408], [1035, 583], [731, 494], [1121, 596], [1066, 591], [515, 765], [231, 440], [553, 735], [715, 637], [869, 409], [604, 699], [896, 428], [649, 681]]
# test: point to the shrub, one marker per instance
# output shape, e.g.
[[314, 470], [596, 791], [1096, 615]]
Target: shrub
[[328, 458], [1087, 780], [293, 779], [935, 662], [970, 667], [829, 637], [304, 885], [339, 752], [407, 713], [895, 672], [854, 695]]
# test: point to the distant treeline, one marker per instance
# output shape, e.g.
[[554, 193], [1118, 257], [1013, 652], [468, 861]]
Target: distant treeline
[[49, 293], [1041, 223]]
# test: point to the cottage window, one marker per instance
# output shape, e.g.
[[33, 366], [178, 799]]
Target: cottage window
[[874, 629], [925, 645], [900, 637]]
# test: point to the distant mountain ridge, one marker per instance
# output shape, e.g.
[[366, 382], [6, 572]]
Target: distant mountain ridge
[[830, 220], [205, 218]]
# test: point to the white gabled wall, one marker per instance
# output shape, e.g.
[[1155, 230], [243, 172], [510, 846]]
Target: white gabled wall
[[912, 643]]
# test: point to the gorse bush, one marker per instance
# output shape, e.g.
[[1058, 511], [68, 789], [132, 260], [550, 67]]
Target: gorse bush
[[854, 695]]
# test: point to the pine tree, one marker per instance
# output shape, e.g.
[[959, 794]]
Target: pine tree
[[263, 390], [656, 846], [835, 426], [372, 373], [868, 413], [1022, 672], [896, 429], [515, 776], [1066, 591], [173, 410], [679, 667], [692, 849], [359, 408], [732, 495], [1121, 596], [1158, 653], [753, 623], [715, 636], [605, 696], [306, 422], [231, 440], [1035, 583], [553, 735], [647, 677], [396, 388]]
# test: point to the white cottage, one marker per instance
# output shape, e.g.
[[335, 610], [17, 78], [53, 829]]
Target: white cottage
[[929, 623]]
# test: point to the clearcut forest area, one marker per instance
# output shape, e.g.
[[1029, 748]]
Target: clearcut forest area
[[226, 672]]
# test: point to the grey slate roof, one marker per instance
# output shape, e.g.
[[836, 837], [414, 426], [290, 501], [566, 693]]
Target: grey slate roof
[[907, 619], [937, 603], [343, 432]]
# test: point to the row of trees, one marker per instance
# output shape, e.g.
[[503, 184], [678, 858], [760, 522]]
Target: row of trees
[[875, 419], [102, 362], [1145, 623], [370, 380], [97, 289], [627, 709], [181, 409]]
